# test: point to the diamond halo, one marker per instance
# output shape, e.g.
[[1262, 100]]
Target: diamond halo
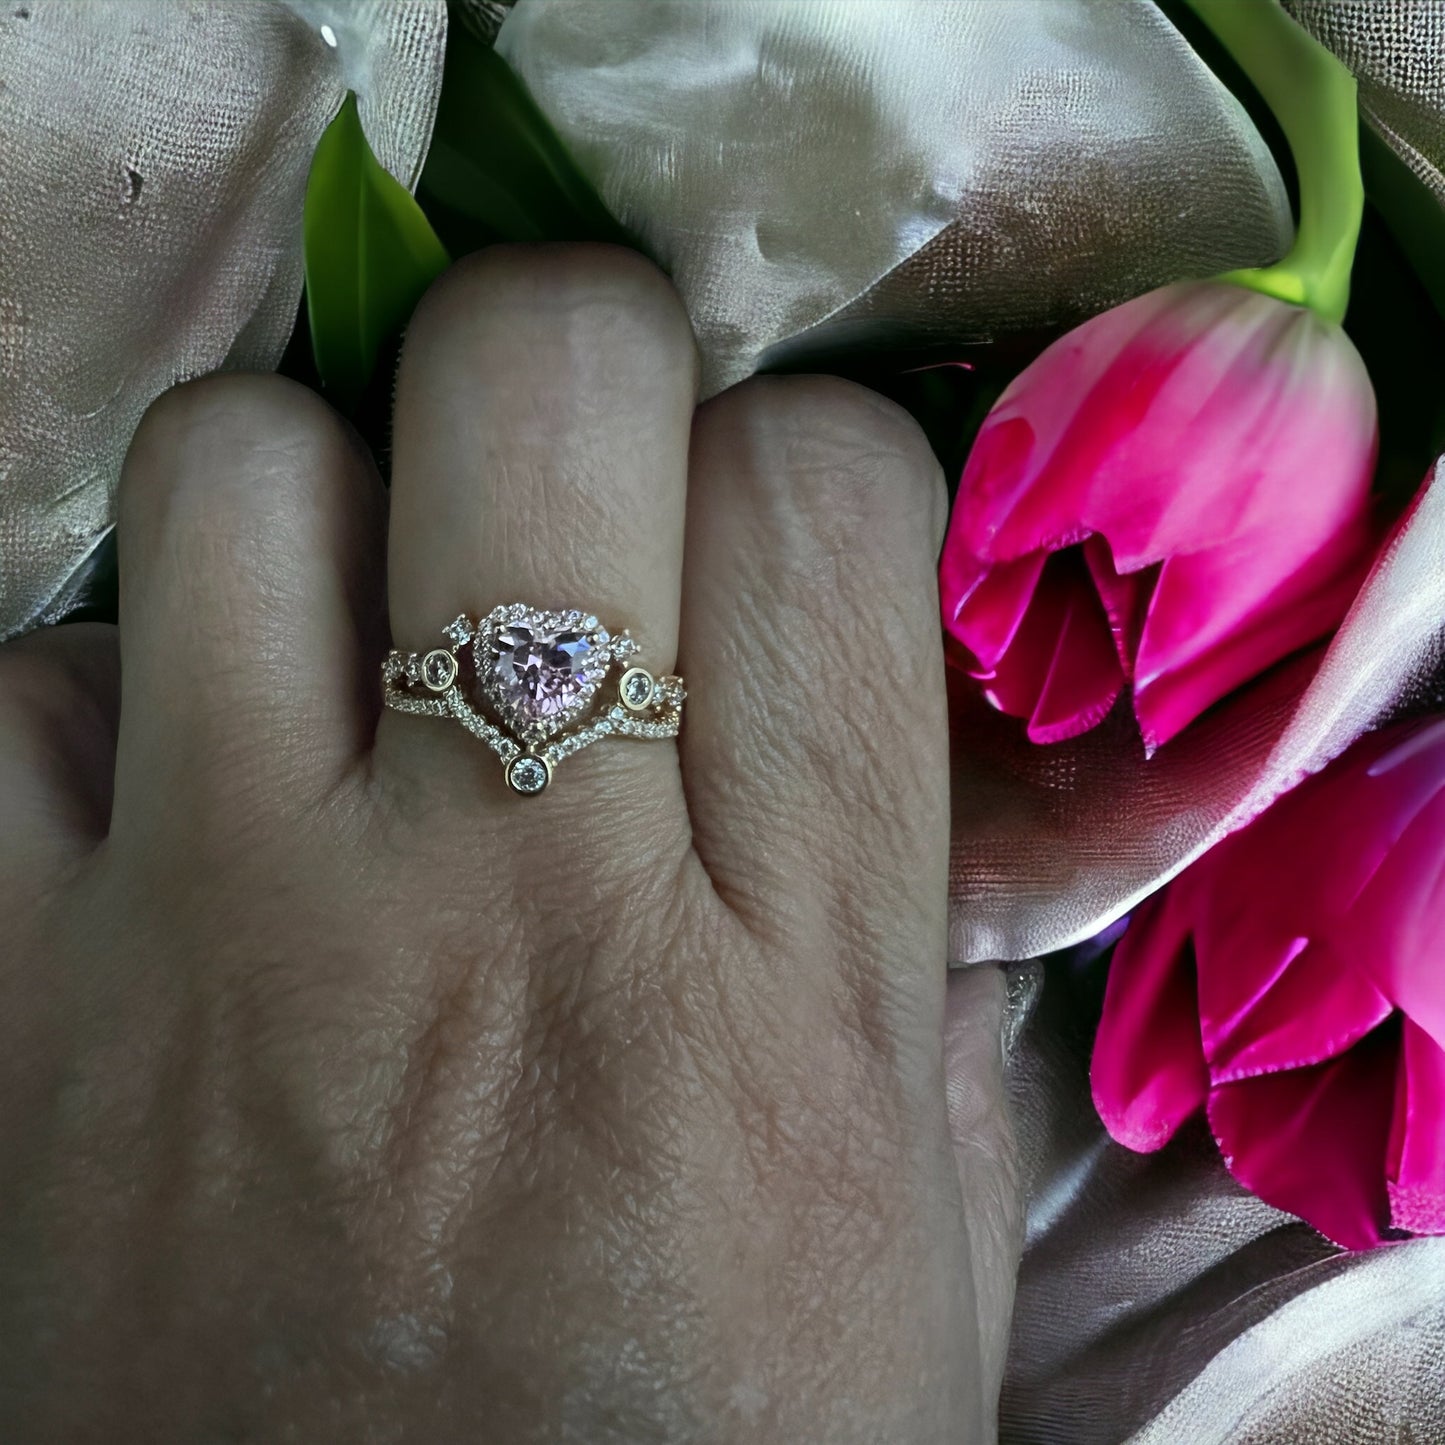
[[539, 672]]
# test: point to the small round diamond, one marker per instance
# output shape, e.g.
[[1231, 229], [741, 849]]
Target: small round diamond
[[439, 669], [527, 774], [636, 688]]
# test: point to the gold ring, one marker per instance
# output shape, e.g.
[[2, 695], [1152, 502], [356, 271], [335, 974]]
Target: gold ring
[[541, 676]]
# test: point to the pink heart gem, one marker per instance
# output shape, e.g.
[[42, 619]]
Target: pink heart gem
[[540, 671]]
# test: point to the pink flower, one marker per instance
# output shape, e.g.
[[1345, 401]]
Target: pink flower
[[1292, 984], [1174, 496]]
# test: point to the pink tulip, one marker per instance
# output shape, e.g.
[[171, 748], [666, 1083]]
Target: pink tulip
[[1292, 984], [1173, 496]]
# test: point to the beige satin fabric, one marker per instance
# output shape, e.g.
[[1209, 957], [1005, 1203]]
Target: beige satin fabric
[[975, 167], [1159, 1304], [821, 172], [153, 160], [1051, 845], [1396, 49]]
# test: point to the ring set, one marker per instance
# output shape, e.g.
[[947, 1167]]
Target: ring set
[[541, 676]]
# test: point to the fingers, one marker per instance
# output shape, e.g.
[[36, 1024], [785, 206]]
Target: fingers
[[543, 409], [249, 539], [59, 702], [815, 755], [984, 1149]]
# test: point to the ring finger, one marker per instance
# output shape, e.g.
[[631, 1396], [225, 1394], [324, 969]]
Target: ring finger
[[543, 409]]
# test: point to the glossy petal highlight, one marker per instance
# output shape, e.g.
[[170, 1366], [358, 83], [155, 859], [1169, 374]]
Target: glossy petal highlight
[[1210, 452], [1292, 981], [1148, 1073]]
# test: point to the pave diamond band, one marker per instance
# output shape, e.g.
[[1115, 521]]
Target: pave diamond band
[[540, 676]]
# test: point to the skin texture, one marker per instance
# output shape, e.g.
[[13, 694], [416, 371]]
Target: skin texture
[[346, 1096]]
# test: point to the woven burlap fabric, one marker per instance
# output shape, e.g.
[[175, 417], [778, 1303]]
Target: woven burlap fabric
[[153, 161]]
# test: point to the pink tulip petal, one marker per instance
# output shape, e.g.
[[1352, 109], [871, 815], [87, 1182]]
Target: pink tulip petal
[[1219, 618], [1072, 446], [1059, 671], [987, 616], [1148, 1071], [1326, 840], [1084, 676], [1170, 425], [1315, 935], [1393, 926], [1308, 869], [1314, 1141], [1211, 450], [1271, 995], [1417, 1137], [1125, 599], [1267, 1014]]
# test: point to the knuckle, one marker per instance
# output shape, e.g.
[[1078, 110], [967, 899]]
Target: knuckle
[[837, 443], [240, 438], [244, 405], [58, 701], [234, 483], [603, 296]]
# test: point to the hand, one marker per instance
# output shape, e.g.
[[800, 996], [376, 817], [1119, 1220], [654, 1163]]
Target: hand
[[345, 1095]]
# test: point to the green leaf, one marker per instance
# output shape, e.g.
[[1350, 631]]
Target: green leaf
[[370, 252], [496, 170]]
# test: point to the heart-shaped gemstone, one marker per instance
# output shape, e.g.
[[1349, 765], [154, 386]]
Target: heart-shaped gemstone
[[540, 670]]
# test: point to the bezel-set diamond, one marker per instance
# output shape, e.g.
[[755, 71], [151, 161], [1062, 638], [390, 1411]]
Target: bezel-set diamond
[[438, 670], [635, 689], [539, 673], [528, 774]]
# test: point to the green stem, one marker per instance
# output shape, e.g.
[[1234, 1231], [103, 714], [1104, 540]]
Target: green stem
[[1313, 97]]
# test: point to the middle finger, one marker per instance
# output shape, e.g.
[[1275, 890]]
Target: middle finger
[[543, 410]]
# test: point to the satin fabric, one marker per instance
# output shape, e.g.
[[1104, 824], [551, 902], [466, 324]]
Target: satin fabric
[[820, 173], [1396, 49], [1159, 1304], [153, 160], [1051, 844], [773, 157]]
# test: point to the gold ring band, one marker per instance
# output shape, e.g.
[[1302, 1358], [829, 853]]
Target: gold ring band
[[543, 677]]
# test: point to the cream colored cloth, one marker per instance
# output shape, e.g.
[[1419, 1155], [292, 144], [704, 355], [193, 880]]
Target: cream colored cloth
[[826, 172], [153, 160], [1019, 164], [1159, 1304], [823, 172], [1396, 49]]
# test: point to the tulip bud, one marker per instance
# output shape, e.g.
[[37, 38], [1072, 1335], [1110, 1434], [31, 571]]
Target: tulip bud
[[1289, 984], [1173, 497]]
